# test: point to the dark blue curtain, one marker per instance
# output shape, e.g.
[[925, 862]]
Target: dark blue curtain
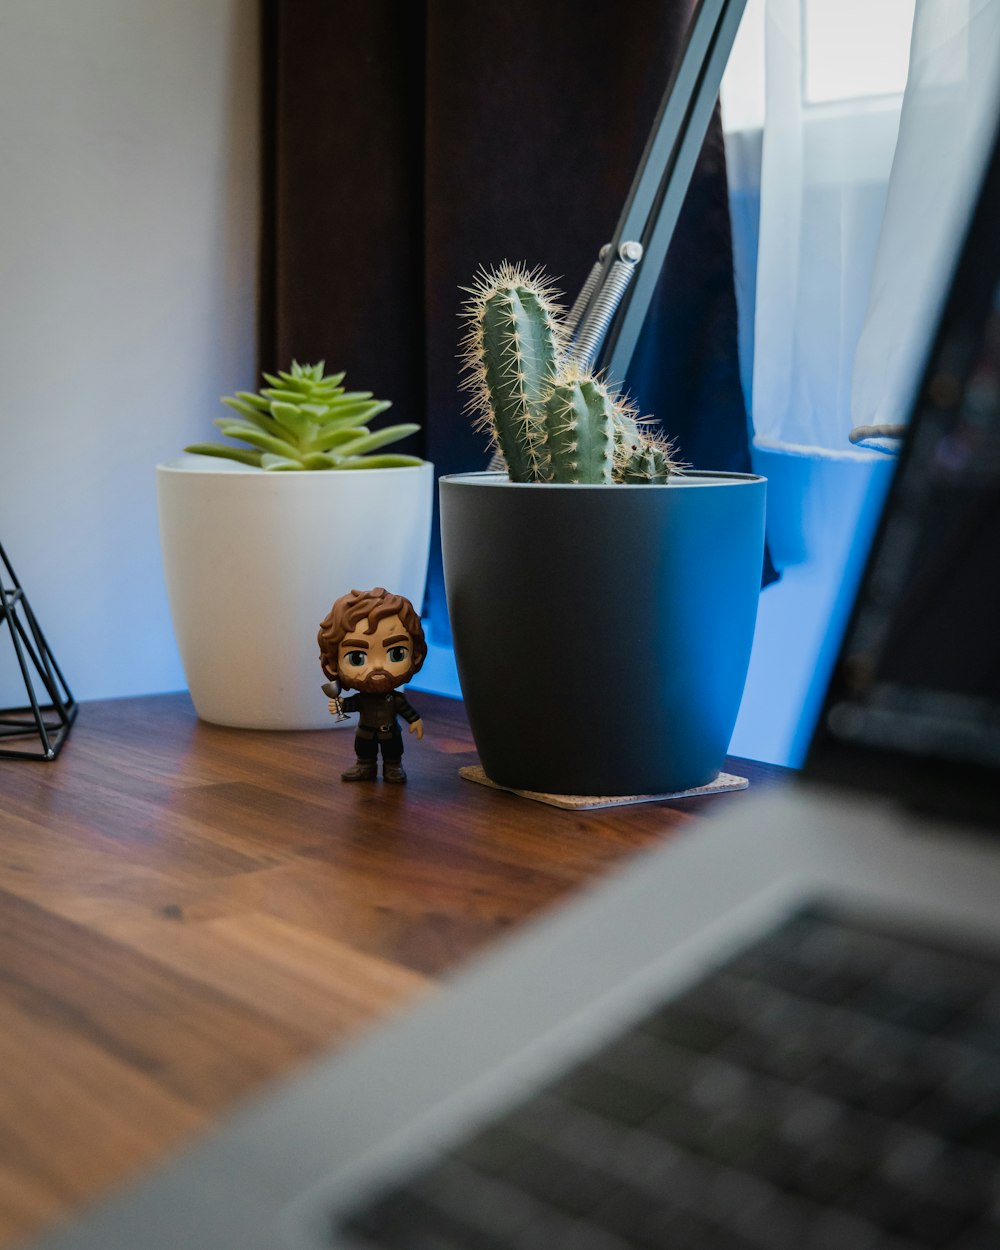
[[408, 144]]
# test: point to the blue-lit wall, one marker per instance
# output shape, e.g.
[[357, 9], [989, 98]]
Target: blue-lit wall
[[821, 516]]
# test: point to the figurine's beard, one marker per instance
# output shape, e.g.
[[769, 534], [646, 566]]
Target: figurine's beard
[[378, 681]]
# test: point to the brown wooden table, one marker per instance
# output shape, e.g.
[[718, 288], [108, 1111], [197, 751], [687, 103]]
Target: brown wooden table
[[186, 911]]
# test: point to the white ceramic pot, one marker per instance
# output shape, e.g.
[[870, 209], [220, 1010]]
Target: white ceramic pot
[[253, 561]]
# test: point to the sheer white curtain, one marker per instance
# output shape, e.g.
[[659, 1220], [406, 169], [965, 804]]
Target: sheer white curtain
[[851, 172], [948, 120], [861, 200]]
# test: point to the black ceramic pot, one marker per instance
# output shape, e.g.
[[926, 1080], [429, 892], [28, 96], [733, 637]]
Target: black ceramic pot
[[602, 633]]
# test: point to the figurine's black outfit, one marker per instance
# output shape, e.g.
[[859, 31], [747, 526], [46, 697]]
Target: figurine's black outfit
[[378, 726]]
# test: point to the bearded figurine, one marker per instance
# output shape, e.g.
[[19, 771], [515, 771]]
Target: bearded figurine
[[372, 642]]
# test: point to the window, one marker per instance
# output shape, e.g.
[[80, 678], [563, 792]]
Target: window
[[854, 49]]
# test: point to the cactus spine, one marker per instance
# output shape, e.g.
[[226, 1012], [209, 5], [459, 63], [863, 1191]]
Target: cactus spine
[[551, 419]]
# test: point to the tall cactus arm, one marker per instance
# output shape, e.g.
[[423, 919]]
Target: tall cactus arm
[[519, 359], [511, 354]]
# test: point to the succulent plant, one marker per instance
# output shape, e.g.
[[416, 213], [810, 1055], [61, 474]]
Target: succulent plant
[[305, 419], [550, 419]]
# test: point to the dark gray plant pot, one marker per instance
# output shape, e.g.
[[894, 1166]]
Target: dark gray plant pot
[[602, 633]]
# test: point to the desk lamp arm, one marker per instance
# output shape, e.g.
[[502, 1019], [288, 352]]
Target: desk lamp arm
[[609, 312]]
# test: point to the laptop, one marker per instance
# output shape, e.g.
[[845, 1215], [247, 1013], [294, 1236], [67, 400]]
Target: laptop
[[779, 1031]]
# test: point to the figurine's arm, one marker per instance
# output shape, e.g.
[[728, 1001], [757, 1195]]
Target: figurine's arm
[[410, 715], [340, 705], [333, 689]]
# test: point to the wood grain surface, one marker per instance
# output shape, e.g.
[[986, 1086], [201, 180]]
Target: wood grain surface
[[187, 911]]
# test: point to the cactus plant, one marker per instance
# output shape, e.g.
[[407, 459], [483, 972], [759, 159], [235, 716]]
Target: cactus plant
[[549, 419], [305, 419]]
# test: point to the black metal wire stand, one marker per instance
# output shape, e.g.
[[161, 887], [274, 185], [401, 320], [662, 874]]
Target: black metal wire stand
[[47, 723]]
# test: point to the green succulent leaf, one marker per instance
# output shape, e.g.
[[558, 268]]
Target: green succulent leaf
[[225, 453], [284, 396], [331, 427], [255, 401], [351, 396], [366, 443], [390, 460], [326, 440], [233, 428], [293, 420], [257, 438], [279, 464], [316, 460], [262, 420], [361, 411], [318, 378], [245, 410]]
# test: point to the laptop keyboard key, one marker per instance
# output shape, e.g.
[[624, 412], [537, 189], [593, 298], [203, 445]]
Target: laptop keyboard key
[[685, 1026], [931, 1223], [493, 1149], [622, 1100], [554, 1179]]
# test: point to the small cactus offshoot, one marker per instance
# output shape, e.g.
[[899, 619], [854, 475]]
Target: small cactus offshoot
[[305, 419], [579, 430], [549, 419]]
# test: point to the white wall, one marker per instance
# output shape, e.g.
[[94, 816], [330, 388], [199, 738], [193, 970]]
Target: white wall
[[129, 226]]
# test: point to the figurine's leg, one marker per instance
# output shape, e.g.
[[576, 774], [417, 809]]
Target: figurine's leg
[[392, 759], [366, 766]]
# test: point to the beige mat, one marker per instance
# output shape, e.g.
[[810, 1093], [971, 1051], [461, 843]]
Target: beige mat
[[577, 802]]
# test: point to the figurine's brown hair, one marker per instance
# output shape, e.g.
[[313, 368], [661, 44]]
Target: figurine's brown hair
[[370, 605]]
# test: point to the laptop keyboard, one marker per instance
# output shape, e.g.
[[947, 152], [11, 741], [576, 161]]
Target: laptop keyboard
[[835, 1086]]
